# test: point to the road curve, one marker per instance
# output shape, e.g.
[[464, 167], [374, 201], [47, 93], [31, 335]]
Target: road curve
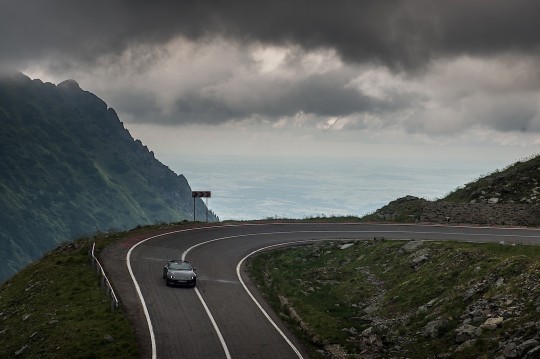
[[220, 319]]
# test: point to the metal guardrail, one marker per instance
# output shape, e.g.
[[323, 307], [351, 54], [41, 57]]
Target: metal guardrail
[[104, 282]]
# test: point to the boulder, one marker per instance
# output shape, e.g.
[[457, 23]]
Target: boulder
[[375, 340], [510, 350], [467, 332], [492, 323], [527, 347], [534, 353], [411, 246], [418, 261], [431, 329], [367, 332], [466, 345]]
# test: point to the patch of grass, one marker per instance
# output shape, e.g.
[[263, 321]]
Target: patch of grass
[[376, 286], [55, 308]]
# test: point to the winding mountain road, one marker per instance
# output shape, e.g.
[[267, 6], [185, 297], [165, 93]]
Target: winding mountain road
[[224, 316]]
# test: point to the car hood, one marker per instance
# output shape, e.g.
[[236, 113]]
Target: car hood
[[182, 274]]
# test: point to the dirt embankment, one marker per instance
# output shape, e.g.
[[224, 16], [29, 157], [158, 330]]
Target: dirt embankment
[[413, 209], [504, 214]]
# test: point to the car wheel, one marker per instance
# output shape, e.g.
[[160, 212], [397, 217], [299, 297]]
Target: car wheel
[[167, 283], [194, 283]]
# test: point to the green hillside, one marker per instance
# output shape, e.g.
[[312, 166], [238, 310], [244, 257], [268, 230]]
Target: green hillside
[[55, 308], [406, 299], [507, 197], [69, 168], [518, 183]]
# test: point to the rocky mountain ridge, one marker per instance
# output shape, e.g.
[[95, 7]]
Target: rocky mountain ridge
[[70, 168]]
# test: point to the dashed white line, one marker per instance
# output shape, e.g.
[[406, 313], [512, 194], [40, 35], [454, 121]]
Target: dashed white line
[[223, 343]]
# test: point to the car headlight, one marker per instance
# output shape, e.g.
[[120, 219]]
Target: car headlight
[[171, 276]]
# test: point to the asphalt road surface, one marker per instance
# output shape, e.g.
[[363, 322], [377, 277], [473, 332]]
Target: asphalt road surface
[[224, 316]]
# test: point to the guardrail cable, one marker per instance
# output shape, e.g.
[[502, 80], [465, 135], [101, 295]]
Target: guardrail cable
[[104, 280]]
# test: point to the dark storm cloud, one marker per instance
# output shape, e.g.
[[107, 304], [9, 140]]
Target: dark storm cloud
[[324, 95], [518, 116], [136, 102], [396, 33], [434, 67]]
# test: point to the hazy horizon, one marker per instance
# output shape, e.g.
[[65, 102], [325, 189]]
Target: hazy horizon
[[251, 188]]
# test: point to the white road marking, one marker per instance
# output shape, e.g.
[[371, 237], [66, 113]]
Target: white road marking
[[145, 309], [141, 298], [138, 288], [298, 354], [222, 341]]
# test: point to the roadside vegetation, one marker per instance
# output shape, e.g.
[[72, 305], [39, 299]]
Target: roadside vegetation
[[385, 299], [55, 308], [363, 299]]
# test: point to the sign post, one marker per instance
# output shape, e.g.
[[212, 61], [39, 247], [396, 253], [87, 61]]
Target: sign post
[[200, 194]]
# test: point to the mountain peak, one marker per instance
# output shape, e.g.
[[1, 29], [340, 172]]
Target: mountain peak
[[69, 85], [91, 174]]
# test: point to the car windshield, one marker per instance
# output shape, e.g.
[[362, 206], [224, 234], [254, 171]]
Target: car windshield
[[180, 266]]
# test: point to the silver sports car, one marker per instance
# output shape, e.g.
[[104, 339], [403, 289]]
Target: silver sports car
[[179, 272]]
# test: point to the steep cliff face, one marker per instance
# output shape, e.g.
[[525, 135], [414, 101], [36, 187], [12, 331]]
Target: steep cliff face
[[69, 168]]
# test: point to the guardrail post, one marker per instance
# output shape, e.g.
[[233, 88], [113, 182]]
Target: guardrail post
[[90, 255], [104, 281]]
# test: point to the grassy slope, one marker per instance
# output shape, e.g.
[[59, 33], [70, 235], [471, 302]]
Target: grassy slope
[[372, 284], [54, 308], [517, 183]]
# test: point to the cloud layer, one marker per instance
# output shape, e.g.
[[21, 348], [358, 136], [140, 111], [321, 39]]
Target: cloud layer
[[393, 33], [435, 70]]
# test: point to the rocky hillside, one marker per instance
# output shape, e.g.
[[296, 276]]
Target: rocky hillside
[[518, 183], [413, 299], [507, 197], [69, 168]]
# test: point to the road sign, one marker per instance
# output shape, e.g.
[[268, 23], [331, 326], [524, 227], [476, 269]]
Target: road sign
[[199, 194], [204, 194]]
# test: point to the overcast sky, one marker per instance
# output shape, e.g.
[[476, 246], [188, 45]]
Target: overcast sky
[[389, 79]]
